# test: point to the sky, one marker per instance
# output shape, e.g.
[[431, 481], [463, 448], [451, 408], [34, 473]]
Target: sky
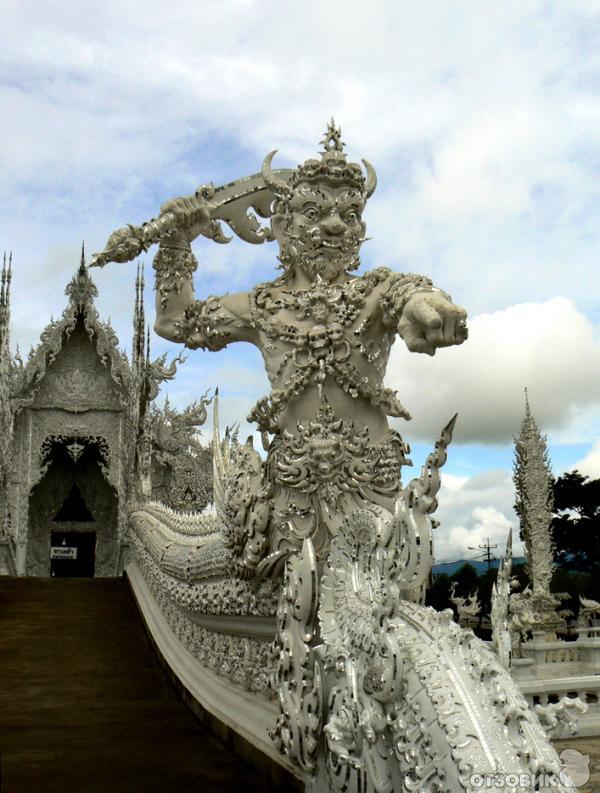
[[482, 120]]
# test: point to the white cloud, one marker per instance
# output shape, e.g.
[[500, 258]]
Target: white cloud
[[473, 510], [481, 120], [549, 347], [590, 464], [482, 123]]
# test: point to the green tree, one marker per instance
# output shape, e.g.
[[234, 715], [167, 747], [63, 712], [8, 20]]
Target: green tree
[[438, 594], [576, 522], [466, 580], [485, 583]]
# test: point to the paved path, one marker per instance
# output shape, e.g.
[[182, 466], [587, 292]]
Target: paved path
[[85, 707]]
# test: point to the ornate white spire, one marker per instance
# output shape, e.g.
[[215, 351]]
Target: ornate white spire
[[5, 368], [81, 290], [534, 501], [139, 321], [5, 279]]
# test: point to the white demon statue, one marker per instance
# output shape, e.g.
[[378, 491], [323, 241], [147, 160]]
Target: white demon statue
[[376, 692]]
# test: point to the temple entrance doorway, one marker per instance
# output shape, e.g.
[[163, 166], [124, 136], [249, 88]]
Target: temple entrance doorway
[[73, 511]]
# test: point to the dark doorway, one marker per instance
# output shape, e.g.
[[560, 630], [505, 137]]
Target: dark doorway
[[72, 554], [73, 508], [74, 501]]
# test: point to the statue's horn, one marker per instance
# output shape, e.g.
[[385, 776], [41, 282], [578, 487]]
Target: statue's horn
[[278, 186], [371, 182]]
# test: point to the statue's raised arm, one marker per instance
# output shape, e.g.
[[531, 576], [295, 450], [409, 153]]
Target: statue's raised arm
[[180, 317], [239, 204], [316, 218]]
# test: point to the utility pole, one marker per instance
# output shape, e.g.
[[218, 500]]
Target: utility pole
[[486, 552]]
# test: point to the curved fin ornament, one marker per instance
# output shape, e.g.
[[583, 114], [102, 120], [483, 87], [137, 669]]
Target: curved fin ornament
[[242, 501], [500, 616], [298, 676], [219, 465], [413, 509]]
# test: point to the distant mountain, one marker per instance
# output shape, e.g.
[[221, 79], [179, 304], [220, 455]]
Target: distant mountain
[[481, 567]]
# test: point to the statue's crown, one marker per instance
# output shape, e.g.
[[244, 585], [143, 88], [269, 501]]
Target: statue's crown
[[333, 166]]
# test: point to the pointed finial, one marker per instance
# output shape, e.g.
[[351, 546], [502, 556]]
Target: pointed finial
[[527, 407], [137, 279], [82, 260], [3, 279], [332, 140], [216, 428], [138, 290], [81, 290], [7, 266], [141, 295]]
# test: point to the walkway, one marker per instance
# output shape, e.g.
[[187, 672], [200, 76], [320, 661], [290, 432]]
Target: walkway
[[85, 707]]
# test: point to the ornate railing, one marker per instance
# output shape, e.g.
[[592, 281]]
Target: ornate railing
[[184, 524], [552, 690], [373, 689], [541, 658]]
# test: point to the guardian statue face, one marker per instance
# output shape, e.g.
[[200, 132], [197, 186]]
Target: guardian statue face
[[318, 215], [322, 229]]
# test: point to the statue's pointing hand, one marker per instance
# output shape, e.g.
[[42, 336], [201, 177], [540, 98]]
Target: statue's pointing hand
[[430, 320]]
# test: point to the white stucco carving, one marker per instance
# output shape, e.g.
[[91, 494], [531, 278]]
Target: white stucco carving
[[375, 692]]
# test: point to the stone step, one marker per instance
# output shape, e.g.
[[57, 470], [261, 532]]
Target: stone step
[[86, 707]]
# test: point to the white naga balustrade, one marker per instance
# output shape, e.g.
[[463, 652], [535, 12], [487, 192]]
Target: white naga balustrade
[[550, 669]]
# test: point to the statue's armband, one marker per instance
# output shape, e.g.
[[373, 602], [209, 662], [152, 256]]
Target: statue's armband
[[401, 287], [174, 265], [215, 322]]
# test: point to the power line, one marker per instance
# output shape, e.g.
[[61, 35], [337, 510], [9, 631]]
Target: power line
[[486, 552]]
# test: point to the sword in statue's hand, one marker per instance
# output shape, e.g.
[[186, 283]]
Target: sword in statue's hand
[[237, 204]]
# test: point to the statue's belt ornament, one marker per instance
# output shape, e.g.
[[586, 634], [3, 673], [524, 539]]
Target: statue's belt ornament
[[330, 457]]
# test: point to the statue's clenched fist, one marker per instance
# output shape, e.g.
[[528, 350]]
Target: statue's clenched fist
[[430, 320], [192, 215]]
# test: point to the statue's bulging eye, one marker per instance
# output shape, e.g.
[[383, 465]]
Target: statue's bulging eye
[[311, 213]]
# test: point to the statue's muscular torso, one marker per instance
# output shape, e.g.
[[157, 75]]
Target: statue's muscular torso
[[327, 344]]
